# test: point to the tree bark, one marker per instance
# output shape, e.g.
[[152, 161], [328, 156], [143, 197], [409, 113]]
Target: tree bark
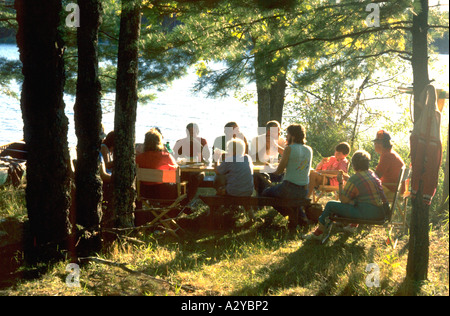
[[45, 124], [271, 93], [88, 116], [125, 113], [444, 200], [418, 255]]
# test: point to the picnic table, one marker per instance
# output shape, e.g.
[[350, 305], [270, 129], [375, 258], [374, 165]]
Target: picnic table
[[203, 167]]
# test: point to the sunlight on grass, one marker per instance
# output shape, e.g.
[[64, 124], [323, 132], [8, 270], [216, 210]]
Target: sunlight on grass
[[253, 258]]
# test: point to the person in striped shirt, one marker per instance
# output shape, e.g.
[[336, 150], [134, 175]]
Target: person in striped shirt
[[361, 198]]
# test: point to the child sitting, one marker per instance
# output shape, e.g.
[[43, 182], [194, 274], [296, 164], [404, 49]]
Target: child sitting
[[330, 165], [235, 173]]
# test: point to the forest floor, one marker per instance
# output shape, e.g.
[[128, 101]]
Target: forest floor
[[247, 258]]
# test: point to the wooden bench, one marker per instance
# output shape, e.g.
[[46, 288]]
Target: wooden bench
[[216, 201]]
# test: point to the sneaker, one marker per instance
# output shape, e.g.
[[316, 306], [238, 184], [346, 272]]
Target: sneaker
[[315, 235]]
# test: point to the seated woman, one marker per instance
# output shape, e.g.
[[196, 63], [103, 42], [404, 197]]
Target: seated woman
[[156, 157], [361, 198], [237, 169], [296, 163]]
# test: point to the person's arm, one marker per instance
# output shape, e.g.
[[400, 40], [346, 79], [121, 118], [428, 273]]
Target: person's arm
[[342, 197], [176, 149], [284, 161], [381, 167], [206, 154], [106, 177], [281, 145], [105, 153]]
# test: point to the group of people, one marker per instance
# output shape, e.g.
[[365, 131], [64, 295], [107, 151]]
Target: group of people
[[288, 169]]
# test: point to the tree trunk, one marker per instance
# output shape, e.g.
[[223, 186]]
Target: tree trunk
[[444, 200], [418, 256], [45, 124], [88, 116], [277, 94], [125, 113], [270, 94]]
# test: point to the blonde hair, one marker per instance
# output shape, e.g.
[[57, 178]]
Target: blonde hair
[[153, 140], [236, 146]]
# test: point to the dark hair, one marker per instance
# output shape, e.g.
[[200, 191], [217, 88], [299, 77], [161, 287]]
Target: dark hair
[[386, 143], [109, 140], [153, 140], [343, 148], [273, 124], [231, 124], [361, 160], [194, 128], [299, 133]]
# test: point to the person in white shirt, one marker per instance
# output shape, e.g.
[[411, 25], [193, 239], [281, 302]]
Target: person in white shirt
[[267, 147], [231, 130]]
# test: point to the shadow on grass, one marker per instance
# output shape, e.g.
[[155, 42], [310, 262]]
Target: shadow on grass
[[313, 265], [202, 246]]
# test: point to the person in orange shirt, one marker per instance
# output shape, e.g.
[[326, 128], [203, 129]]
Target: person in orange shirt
[[334, 163], [390, 163], [156, 157]]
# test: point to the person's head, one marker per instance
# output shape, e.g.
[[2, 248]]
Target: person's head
[[153, 140], [342, 150], [361, 160], [231, 129], [382, 141], [236, 147], [296, 133], [270, 128], [109, 140], [192, 130]]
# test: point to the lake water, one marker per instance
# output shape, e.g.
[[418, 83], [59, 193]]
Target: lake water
[[174, 108], [171, 111]]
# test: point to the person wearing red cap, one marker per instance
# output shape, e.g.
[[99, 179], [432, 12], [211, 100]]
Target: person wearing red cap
[[390, 163]]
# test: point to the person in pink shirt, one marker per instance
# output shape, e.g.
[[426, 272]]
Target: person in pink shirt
[[330, 165]]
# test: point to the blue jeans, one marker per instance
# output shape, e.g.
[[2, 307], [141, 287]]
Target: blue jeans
[[288, 190], [361, 211]]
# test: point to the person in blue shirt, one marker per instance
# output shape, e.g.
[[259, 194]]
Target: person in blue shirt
[[295, 163], [237, 168]]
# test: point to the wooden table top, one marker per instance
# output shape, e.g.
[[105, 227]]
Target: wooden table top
[[201, 167]]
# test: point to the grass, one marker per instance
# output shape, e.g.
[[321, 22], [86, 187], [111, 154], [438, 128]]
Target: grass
[[258, 258], [12, 202]]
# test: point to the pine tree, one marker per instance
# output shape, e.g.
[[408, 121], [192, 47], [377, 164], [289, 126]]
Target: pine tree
[[45, 124], [125, 113]]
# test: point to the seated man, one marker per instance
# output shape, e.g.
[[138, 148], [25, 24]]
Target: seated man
[[237, 167], [296, 161], [231, 131], [330, 165], [267, 148], [192, 146], [361, 198], [195, 149], [390, 163]]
